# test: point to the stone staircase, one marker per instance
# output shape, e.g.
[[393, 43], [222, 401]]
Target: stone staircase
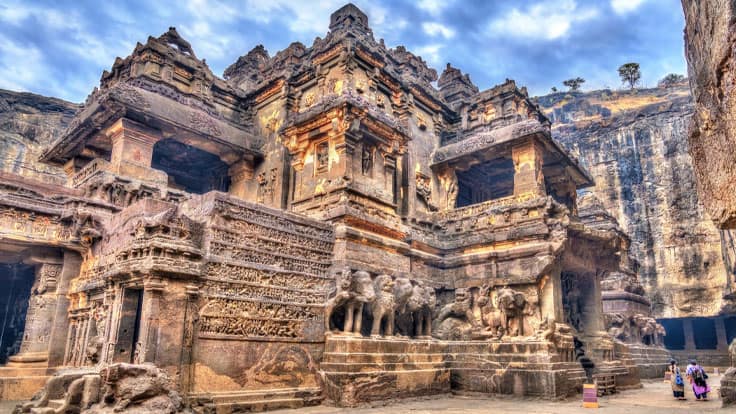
[[357, 370], [254, 401]]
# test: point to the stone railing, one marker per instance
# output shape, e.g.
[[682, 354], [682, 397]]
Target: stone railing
[[89, 170]]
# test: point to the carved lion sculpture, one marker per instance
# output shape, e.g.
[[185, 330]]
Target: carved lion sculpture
[[512, 304], [455, 320], [384, 306]]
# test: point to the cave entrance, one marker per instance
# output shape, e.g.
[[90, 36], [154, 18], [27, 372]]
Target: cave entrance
[[189, 168], [130, 325], [486, 181], [17, 281]]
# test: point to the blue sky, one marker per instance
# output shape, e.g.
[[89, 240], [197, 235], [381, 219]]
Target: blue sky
[[60, 48]]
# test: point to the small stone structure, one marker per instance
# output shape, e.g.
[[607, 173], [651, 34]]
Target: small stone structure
[[320, 225]]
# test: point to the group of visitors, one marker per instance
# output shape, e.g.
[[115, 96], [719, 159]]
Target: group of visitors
[[695, 375]]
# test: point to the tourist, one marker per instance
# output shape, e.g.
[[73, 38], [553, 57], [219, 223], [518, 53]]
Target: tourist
[[697, 376], [678, 385]]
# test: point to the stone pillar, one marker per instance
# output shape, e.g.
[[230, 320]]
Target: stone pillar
[[528, 175], [721, 334], [687, 329], [150, 321], [187, 354], [132, 150], [240, 173], [58, 336], [40, 316]]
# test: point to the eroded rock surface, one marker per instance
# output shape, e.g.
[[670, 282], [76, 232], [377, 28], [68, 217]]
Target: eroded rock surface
[[28, 124], [635, 145], [710, 36]]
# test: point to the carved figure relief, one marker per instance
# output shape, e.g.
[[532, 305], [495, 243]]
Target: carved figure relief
[[513, 306], [367, 159], [322, 155]]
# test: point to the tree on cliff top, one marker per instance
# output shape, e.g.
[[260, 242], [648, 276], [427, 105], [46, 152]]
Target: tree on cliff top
[[670, 80], [574, 83], [629, 73]]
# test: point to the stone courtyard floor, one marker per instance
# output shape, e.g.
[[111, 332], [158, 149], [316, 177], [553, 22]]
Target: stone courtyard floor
[[654, 398]]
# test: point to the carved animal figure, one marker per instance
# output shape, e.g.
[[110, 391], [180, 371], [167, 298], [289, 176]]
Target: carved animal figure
[[403, 290], [384, 306], [732, 352], [618, 326], [660, 333], [455, 320], [645, 328], [419, 310], [491, 318], [512, 304], [361, 292], [339, 297]]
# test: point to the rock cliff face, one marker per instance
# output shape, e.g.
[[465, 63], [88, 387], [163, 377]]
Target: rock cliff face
[[635, 145], [710, 38], [28, 123]]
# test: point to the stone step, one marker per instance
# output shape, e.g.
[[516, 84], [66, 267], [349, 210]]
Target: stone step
[[50, 408], [259, 400], [378, 367], [21, 387], [382, 358]]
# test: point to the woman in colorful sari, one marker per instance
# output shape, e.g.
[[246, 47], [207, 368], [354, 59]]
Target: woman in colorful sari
[[678, 385], [697, 376]]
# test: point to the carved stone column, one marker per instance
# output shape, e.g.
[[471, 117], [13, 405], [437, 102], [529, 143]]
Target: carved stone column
[[721, 334], [528, 176], [687, 328], [58, 338], [191, 317], [40, 315], [240, 173], [132, 150], [150, 320]]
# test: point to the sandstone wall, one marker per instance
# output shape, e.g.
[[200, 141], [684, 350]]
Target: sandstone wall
[[710, 36], [28, 123], [635, 145]]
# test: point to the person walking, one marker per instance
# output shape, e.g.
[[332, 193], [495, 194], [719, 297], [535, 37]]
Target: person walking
[[697, 376], [678, 384]]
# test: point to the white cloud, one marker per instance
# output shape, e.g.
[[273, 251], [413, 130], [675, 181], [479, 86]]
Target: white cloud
[[438, 29], [625, 6], [430, 53], [542, 20], [433, 7]]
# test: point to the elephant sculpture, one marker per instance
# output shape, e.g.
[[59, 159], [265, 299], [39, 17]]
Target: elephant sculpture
[[617, 326], [418, 307], [512, 305], [384, 306], [352, 293], [660, 333], [645, 328], [403, 289]]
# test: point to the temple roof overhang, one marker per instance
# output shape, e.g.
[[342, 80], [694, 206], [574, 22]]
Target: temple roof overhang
[[191, 125], [498, 142]]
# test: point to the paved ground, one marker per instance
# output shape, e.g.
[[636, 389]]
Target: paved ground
[[654, 398]]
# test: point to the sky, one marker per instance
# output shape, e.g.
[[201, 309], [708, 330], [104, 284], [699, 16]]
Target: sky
[[60, 48]]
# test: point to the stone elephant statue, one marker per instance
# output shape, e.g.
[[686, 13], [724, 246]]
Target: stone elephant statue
[[384, 307], [512, 305], [420, 311], [353, 292]]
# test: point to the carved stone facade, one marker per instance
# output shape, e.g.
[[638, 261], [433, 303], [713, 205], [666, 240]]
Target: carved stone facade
[[320, 224]]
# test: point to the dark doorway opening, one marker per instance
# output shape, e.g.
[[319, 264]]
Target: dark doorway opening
[[16, 281], [704, 330], [487, 181], [190, 169], [730, 323], [675, 338], [130, 326]]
